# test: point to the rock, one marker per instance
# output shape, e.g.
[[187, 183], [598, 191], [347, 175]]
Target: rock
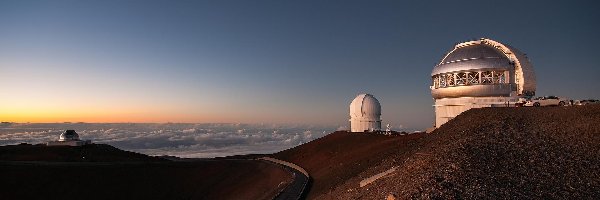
[[391, 196]]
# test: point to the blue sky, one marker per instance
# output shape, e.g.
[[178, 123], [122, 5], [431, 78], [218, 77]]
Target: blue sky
[[269, 61]]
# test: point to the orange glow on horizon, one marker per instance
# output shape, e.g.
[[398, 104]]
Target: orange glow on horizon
[[91, 115], [96, 110], [105, 118]]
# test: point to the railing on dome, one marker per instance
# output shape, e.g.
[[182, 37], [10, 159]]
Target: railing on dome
[[519, 77], [512, 57], [466, 78]]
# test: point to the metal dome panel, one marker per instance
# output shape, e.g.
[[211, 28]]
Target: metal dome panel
[[472, 52], [472, 64]]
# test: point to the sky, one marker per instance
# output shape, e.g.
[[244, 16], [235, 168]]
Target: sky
[[269, 61]]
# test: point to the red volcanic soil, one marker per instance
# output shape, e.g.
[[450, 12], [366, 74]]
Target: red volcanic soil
[[112, 176], [339, 157], [499, 153], [489, 153]]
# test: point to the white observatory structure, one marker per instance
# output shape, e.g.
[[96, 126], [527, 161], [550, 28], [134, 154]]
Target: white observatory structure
[[365, 113], [69, 138], [480, 73]]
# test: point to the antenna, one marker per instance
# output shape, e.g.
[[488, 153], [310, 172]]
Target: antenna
[[388, 130]]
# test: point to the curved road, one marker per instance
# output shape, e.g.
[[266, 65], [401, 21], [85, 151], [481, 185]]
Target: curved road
[[297, 188]]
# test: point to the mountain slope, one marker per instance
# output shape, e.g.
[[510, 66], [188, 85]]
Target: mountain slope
[[541, 153], [340, 156], [489, 153]]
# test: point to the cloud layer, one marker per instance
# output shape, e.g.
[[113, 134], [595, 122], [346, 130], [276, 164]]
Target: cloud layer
[[182, 140]]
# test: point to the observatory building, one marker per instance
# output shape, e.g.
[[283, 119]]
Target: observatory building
[[480, 73], [365, 114], [68, 138]]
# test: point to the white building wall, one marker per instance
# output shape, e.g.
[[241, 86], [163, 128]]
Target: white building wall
[[448, 108], [362, 125]]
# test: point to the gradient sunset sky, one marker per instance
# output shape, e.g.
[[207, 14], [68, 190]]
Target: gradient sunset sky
[[269, 61]]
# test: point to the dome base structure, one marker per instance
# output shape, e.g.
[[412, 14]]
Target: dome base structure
[[72, 143], [357, 125], [448, 108]]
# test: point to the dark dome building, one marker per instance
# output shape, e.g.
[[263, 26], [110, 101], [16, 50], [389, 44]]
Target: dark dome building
[[480, 73], [68, 135], [68, 138]]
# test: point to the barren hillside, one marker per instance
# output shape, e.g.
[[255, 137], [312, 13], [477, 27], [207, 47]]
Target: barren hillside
[[340, 156], [546, 152]]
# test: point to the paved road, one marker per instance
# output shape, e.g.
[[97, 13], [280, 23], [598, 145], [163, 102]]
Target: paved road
[[297, 188]]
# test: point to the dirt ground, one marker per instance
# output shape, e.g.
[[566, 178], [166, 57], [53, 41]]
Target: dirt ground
[[490, 153], [341, 156]]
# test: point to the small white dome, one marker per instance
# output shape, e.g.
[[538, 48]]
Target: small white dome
[[68, 135], [365, 106], [365, 113]]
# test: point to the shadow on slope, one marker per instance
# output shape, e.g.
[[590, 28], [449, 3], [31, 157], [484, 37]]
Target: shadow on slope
[[40, 172], [85, 153]]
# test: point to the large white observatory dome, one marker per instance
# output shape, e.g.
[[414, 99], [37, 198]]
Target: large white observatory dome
[[480, 73], [483, 68], [365, 113]]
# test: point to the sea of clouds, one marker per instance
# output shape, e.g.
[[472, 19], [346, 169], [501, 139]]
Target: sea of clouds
[[174, 139]]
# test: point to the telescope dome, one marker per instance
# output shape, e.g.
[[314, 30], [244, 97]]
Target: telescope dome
[[365, 106], [365, 113], [68, 135], [480, 73], [483, 68]]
